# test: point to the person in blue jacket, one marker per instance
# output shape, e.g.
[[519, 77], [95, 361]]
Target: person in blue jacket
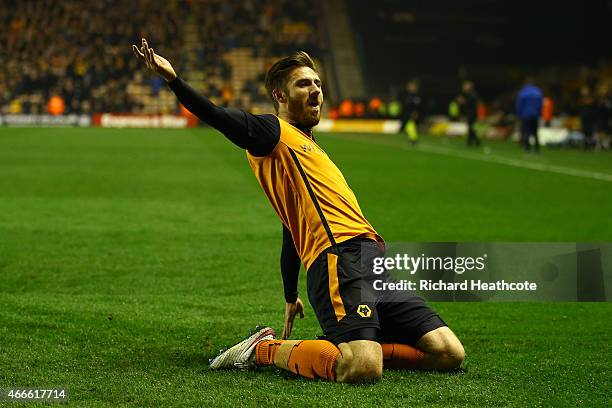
[[528, 109]]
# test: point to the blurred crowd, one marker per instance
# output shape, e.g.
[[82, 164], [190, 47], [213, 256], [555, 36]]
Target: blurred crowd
[[74, 56], [267, 28]]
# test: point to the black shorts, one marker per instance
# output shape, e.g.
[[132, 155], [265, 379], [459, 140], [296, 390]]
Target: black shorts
[[341, 291]]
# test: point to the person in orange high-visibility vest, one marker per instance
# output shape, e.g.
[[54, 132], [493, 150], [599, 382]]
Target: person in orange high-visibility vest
[[56, 105], [548, 108], [360, 109], [374, 106], [481, 111], [347, 108]]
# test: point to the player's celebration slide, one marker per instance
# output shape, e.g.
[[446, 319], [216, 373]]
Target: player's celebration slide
[[305, 203]]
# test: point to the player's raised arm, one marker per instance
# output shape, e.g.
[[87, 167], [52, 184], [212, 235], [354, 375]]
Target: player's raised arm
[[258, 134]]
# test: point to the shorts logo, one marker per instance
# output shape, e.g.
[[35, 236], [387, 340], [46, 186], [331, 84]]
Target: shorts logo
[[364, 311]]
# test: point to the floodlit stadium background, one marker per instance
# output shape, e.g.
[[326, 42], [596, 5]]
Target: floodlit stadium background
[[128, 257], [63, 58]]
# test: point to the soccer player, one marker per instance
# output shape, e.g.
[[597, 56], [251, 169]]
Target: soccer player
[[324, 228]]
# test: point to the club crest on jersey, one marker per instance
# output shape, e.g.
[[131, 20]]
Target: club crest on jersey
[[309, 148], [364, 311]]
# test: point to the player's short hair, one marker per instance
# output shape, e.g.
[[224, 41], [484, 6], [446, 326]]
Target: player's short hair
[[278, 74]]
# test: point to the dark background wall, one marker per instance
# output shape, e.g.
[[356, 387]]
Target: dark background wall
[[493, 42]]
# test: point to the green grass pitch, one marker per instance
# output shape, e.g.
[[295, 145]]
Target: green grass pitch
[[129, 257]]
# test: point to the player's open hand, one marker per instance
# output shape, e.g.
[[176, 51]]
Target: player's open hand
[[291, 310], [154, 62]]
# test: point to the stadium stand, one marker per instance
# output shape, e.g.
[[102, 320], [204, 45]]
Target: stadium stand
[[75, 57], [229, 46], [79, 51]]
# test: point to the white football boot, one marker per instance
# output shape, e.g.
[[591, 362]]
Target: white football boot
[[240, 354]]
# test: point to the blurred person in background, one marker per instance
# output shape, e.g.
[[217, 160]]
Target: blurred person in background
[[604, 116], [360, 109], [587, 110], [454, 109], [468, 101], [56, 105], [410, 100], [346, 108], [548, 108], [374, 106], [528, 109]]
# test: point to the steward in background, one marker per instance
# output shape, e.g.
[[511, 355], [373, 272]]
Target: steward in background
[[411, 110], [468, 99], [528, 109]]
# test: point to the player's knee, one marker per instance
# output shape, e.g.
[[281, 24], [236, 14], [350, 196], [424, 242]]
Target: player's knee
[[357, 366], [450, 356], [369, 370], [445, 347], [360, 372]]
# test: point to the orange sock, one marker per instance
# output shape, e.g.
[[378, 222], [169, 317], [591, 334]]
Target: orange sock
[[265, 352], [401, 356], [308, 358]]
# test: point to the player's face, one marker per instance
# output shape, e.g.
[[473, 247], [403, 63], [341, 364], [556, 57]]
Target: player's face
[[304, 97]]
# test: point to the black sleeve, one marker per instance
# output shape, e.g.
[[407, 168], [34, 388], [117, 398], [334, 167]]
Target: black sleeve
[[259, 134], [290, 267]]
